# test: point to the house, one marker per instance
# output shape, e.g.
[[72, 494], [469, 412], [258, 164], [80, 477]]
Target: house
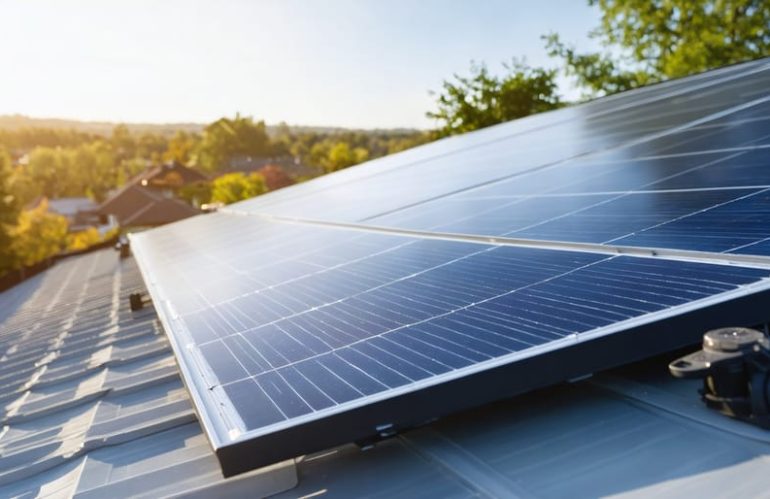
[[137, 206], [93, 406], [275, 177], [292, 166], [91, 391], [81, 213], [170, 175], [148, 199]]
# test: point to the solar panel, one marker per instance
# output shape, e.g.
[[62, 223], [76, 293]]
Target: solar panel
[[375, 299]]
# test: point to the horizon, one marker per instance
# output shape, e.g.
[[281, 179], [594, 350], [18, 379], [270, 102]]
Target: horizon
[[358, 65], [190, 123]]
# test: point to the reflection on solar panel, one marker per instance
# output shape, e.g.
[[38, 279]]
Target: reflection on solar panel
[[467, 270]]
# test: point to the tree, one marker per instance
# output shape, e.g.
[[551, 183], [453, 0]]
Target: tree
[[181, 147], [8, 214], [234, 187], [85, 170], [196, 193], [46, 170], [151, 146], [227, 138], [341, 155], [123, 142], [653, 40], [39, 235], [92, 170], [83, 239], [482, 99], [24, 188]]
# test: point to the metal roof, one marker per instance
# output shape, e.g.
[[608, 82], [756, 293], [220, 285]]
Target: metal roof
[[93, 406]]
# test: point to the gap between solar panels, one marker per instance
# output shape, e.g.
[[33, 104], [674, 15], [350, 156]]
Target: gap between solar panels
[[749, 260], [295, 334], [477, 323]]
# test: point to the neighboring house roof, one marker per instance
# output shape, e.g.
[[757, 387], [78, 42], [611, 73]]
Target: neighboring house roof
[[69, 207], [292, 166], [93, 407], [275, 177], [134, 205], [163, 211], [172, 174]]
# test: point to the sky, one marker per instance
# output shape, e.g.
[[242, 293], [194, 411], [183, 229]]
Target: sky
[[349, 63]]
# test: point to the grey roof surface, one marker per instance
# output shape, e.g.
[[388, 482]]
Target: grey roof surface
[[69, 207], [93, 407]]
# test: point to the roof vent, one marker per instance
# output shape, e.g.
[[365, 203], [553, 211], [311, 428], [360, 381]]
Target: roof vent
[[735, 366]]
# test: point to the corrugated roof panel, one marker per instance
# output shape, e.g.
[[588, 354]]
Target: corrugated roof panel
[[92, 403]]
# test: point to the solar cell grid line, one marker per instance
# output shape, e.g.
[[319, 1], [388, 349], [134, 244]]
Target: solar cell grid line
[[333, 278], [586, 224], [294, 334], [544, 178], [240, 280], [501, 217], [438, 184], [469, 330], [630, 175], [714, 229], [269, 204], [469, 140]]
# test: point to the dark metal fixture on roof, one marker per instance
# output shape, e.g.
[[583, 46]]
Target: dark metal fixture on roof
[[137, 301], [735, 366], [123, 247]]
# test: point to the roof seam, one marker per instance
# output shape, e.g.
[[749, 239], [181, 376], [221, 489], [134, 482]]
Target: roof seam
[[595, 248]]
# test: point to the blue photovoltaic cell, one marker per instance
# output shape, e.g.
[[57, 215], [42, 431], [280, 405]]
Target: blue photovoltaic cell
[[483, 306], [744, 169], [617, 220], [492, 155], [608, 173], [419, 309], [603, 218], [295, 311], [737, 224]]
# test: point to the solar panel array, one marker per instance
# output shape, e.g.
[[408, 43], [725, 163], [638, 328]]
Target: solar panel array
[[456, 273]]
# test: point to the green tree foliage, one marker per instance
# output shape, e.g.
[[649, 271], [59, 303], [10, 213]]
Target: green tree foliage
[[151, 147], [341, 155], [196, 193], [181, 148], [48, 171], [26, 138], [88, 169], [39, 235], [315, 149], [483, 99], [63, 163], [92, 168], [228, 138], [407, 141], [127, 145], [653, 40], [24, 188], [83, 239], [8, 214], [233, 187], [130, 168], [123, 142]]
